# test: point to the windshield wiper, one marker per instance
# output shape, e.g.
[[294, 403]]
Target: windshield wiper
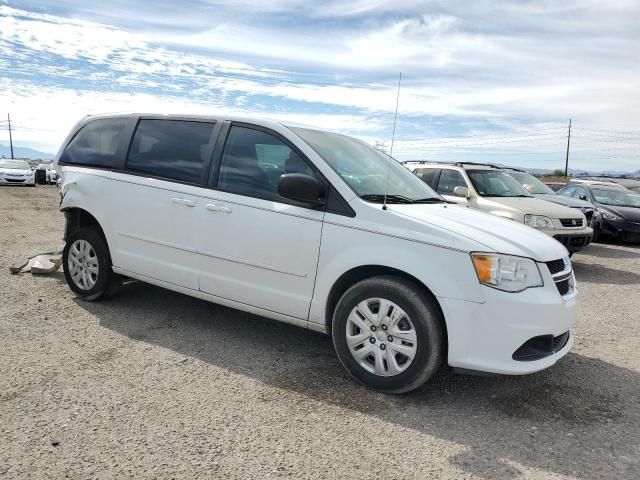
[[430, 200], [377, 198]]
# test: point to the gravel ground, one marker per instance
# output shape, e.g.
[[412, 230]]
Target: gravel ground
[[157, 384]]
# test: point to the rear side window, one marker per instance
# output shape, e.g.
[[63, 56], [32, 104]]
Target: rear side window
[[173, 149], [566, 191], [579, 192], [253, 162], [96, 143], [449, 180], [427, 175]]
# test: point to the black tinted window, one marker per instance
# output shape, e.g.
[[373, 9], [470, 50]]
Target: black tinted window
[[449, 180], [253, 162], [174, 149], [96, 143], [427, 175]]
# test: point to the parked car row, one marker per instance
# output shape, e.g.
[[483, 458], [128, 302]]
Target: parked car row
[[617, 209], [615, 202], [508, 194], [323, 231], [19, 172]]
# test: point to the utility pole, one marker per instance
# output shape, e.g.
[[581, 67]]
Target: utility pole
[[566, 160], [10, 138]]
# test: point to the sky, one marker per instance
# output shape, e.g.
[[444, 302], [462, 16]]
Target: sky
[[482, 80]]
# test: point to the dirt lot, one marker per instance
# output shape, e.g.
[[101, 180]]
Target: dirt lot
[[157, 384]]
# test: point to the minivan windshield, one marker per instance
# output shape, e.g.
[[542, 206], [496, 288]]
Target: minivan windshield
[[366, 169], [17, 164], [616, 197], [531, 183], [496, 183]]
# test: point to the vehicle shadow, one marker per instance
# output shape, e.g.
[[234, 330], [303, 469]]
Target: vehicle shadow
[[603, 250], [596, 273], [578, 418]]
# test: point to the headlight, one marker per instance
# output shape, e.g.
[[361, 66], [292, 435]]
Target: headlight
[[608, 215], [506, 272], [538, 221]]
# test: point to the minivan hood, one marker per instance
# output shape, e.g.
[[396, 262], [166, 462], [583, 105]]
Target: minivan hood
[[495, 233], [534, 206], [566, 201]]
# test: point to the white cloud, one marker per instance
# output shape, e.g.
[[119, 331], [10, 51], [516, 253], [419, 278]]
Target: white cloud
[[509, 64]]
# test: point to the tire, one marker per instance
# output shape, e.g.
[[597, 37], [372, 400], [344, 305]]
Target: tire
[[422, 315], [104, 283]]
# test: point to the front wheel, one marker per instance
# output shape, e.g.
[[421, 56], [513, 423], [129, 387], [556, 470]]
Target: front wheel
[[388, 334], [87, 265]]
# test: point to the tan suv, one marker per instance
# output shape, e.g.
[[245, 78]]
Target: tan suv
[[493, 190]]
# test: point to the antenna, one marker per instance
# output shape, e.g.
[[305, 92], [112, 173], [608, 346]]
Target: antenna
[[393, 137]]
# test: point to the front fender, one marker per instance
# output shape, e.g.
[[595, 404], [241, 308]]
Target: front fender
[[445, 272], [85, 192]]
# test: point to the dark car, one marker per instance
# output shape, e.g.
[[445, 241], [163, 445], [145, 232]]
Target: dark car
[[539, 190], [617, 210], [628, 183]]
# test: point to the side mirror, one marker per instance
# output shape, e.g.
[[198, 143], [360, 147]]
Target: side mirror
[[583, 197], [462, 192], [529, 188], [302, 188]]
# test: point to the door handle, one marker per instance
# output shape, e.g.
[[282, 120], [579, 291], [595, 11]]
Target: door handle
[[217, 208], [183, 201]]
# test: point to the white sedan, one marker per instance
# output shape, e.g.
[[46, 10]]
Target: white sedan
[[16, 172]]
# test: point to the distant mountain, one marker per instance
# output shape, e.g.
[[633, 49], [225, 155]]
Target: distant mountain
[[24, 152]]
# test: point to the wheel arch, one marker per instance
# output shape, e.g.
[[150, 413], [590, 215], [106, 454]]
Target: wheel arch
[[77, 217], [362, 272]]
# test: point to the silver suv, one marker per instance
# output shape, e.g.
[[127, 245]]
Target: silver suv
[[493, 190]]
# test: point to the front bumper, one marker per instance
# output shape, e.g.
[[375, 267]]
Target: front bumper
[[621, 229], [485, 336], [17, 181], [574, 240]]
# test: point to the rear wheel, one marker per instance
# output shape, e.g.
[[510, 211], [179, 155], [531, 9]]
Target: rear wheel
[[388, 334], [87, 265]]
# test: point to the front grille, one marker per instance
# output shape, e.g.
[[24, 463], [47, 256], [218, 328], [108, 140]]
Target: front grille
[[562, 275], [563, 287], [16, 180], [556, 266], [571, 222], [571, 241], [537, 348]]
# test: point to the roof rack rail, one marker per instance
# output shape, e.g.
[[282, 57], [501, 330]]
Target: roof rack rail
[[461, 164]]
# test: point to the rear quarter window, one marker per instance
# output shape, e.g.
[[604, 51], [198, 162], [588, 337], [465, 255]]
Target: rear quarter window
[[96, 144], [427, 175], [173, 149]]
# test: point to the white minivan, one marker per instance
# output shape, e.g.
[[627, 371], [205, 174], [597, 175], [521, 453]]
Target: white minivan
[[291, 223]]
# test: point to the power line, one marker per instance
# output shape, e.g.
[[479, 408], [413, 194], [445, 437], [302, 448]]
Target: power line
[[489, 136], [621, 132], [480, 144]]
